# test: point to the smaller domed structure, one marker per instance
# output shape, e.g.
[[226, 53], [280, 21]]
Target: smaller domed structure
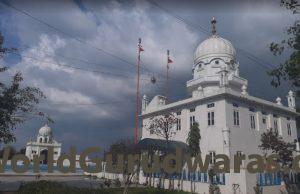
[[45, 134], [45, 131], [43, 142]]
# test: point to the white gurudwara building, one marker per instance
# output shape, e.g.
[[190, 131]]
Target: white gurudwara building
[[43, 141], [231, 121]]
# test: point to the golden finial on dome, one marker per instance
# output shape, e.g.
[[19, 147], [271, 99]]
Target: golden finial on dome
[[213, 26]]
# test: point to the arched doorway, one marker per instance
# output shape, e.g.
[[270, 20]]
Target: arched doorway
[[45, 153]]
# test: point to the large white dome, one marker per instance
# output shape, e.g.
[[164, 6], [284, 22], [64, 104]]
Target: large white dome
[[45, 131], [214, 46]]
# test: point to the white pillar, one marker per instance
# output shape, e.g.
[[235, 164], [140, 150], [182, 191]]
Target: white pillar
[[291, 100], [297, 146], [226, 140], [244, 90], [144, 102], [278, 101]]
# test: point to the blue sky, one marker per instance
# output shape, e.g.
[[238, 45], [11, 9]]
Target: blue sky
[[96, 109]]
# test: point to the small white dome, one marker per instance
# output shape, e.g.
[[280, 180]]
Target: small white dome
[[45, 131], [214, 46]]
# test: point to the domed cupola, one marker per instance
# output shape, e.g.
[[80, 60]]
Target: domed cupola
[[214, 46], [215, 65], [45, 134]]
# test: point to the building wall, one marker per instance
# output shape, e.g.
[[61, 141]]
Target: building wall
[[244, 138], [241, 138], [36, 148], [200, 114]]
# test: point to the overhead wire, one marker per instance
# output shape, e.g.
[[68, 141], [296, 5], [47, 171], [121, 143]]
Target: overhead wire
[[77, 39], [247, 54], [87, 104], [81, 68], [50, 54]]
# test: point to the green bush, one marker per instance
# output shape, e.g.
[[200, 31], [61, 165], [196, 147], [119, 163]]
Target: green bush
[[47, 187], [117, 183]]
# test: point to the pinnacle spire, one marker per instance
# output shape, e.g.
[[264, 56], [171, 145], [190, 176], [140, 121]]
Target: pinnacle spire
[[213, 26]]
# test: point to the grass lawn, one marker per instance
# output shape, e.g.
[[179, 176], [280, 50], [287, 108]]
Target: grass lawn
[[47, 187]]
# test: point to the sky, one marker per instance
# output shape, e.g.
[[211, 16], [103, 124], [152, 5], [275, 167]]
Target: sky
[[93, 104]]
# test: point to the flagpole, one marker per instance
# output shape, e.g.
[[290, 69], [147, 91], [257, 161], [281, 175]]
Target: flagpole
[[167, 81], [137, 93]]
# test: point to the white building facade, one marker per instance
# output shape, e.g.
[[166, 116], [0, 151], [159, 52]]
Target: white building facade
[[43, 141], [231, 121]]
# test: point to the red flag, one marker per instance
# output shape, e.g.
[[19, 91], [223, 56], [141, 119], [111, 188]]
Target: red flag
[[169, 60], [141, 49]]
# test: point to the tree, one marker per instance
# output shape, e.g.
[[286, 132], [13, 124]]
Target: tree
[[290, 69], [272, 142], [12, 152], [213, 187], [193, 142], [22, 151], [17, 103], [150, 150], [258, 189], [162, 126], [122, 146], [125, 147]]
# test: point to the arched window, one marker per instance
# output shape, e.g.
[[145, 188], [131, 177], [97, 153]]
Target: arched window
[[46, 140], [41, 139]]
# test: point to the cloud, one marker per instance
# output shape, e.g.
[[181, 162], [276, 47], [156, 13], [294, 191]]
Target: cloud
[[91, 104]]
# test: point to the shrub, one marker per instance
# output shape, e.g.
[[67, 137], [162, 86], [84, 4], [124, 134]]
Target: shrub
[[47, 187], [117, 182], [107, 182]]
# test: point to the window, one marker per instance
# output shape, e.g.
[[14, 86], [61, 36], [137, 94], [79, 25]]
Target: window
[[178, 113], [192, 110], [41, 140], [252, 121], [212, 157], [236, 118], [178, 125], [55, 153], [235, 105], [210, 105], [289, 129], [192, 121], [211, 118], [251, 109], [264, 120], [216, 62], [239, 153], [275, 126], [288, 118]]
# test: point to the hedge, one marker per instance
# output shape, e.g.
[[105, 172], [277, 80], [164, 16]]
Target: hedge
[[49, 187]]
